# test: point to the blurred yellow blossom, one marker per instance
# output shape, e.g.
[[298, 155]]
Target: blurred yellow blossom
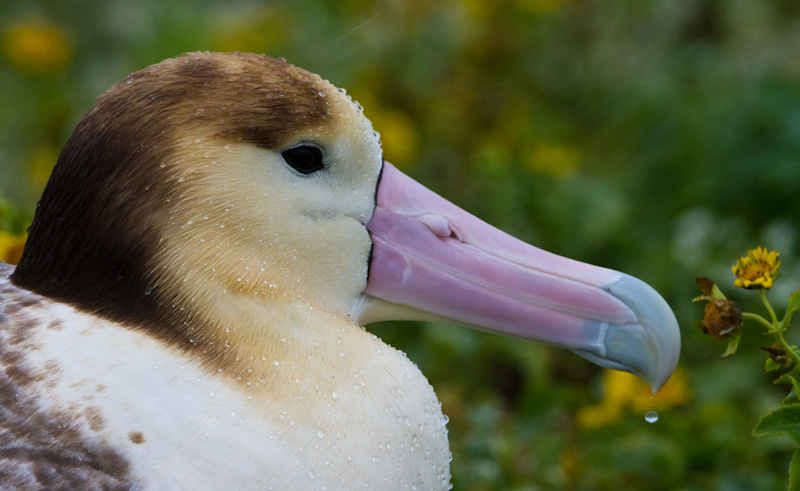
[[37, 47], [570, 462], [399, 139], [243, 37], [539, 6], [758, 270], [553, 160], [11, 247], [481, 9], [626, 392], [259, 30], [40, 165]]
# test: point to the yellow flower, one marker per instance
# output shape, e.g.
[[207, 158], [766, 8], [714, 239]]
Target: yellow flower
[[37, 47], [398, 135], [554, 160], [11, 247], [540, 6], [262, 29], [758, 270], [481, 9], [626, 392], [40, 165]]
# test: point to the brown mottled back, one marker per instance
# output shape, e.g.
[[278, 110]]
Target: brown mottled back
[[41, 447]]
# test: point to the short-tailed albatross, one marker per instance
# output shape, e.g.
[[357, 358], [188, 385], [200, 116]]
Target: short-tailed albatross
[[187, 312]]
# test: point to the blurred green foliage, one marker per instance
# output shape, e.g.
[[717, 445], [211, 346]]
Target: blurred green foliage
[[656, 137]]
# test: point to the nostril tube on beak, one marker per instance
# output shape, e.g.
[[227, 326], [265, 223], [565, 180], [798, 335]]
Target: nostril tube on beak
[[439, 225]]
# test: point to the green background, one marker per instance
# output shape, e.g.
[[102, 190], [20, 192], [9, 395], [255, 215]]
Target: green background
[[656, 137]]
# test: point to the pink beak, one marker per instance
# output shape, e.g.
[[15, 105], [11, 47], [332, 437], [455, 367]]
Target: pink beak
[[431, 256]]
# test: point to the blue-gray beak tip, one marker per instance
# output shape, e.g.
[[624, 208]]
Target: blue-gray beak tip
[[650, 348]]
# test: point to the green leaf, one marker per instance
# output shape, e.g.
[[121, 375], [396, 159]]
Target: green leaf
[[792, 377], [795, 384], [794, 306], [716, 292], [770, 365], [794, 472], [782, 421], [794, 301], [733, 343]]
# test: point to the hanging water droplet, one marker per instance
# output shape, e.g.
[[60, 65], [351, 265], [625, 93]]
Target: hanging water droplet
[[651, 417]]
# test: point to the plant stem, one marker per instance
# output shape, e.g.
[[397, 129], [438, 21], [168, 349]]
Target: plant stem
[[764, 322], [788, 349], [769, 308], [774, 328]]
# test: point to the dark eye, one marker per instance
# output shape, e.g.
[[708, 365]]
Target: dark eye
[[305, 159]]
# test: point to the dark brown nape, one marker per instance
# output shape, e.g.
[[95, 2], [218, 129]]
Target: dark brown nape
[[98, 225]]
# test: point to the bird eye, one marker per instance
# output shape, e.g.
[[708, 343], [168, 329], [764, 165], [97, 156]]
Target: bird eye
[[305, 159]]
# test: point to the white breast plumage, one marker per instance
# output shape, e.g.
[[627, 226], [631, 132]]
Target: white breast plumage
[[93, 403], [187, 310]]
